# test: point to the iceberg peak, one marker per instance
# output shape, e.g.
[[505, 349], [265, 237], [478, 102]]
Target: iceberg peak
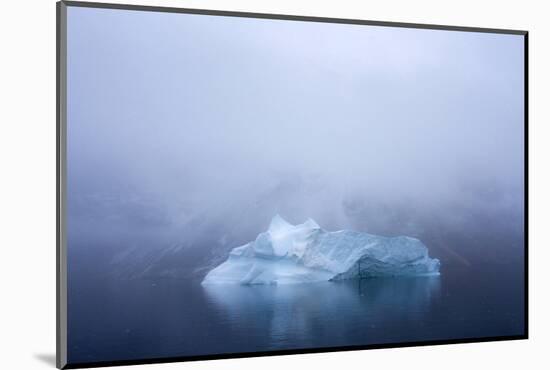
[[279, 224], [311, 224]]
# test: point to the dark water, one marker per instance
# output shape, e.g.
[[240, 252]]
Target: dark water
[[131, 319]]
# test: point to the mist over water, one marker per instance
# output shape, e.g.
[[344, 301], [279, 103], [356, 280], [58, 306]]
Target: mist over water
[[187, 134], [196, 130]]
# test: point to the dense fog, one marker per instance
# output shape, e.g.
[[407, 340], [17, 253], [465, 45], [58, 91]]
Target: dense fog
[[193, 131]]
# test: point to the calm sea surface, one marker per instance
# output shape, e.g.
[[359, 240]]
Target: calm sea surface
[[131, 319]]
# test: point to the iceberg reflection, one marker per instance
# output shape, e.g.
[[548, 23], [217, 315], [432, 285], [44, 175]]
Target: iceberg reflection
[[349, 310]]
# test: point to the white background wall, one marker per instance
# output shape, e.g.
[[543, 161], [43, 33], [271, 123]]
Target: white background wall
[[27, 185]]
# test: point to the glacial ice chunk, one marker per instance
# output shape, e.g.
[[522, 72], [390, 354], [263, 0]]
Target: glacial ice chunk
[[287, 254]]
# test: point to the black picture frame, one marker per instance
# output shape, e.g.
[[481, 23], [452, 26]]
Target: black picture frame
[[61, 161]]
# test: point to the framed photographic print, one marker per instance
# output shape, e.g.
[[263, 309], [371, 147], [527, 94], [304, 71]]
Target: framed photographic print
[[237, 184]]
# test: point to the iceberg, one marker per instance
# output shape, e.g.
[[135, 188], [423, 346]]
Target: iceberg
[[290, 254]]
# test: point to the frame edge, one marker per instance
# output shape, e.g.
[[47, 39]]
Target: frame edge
[[526, 180], [61, 128], [289, 17]]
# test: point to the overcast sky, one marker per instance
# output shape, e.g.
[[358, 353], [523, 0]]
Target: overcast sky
[[174, 118]]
